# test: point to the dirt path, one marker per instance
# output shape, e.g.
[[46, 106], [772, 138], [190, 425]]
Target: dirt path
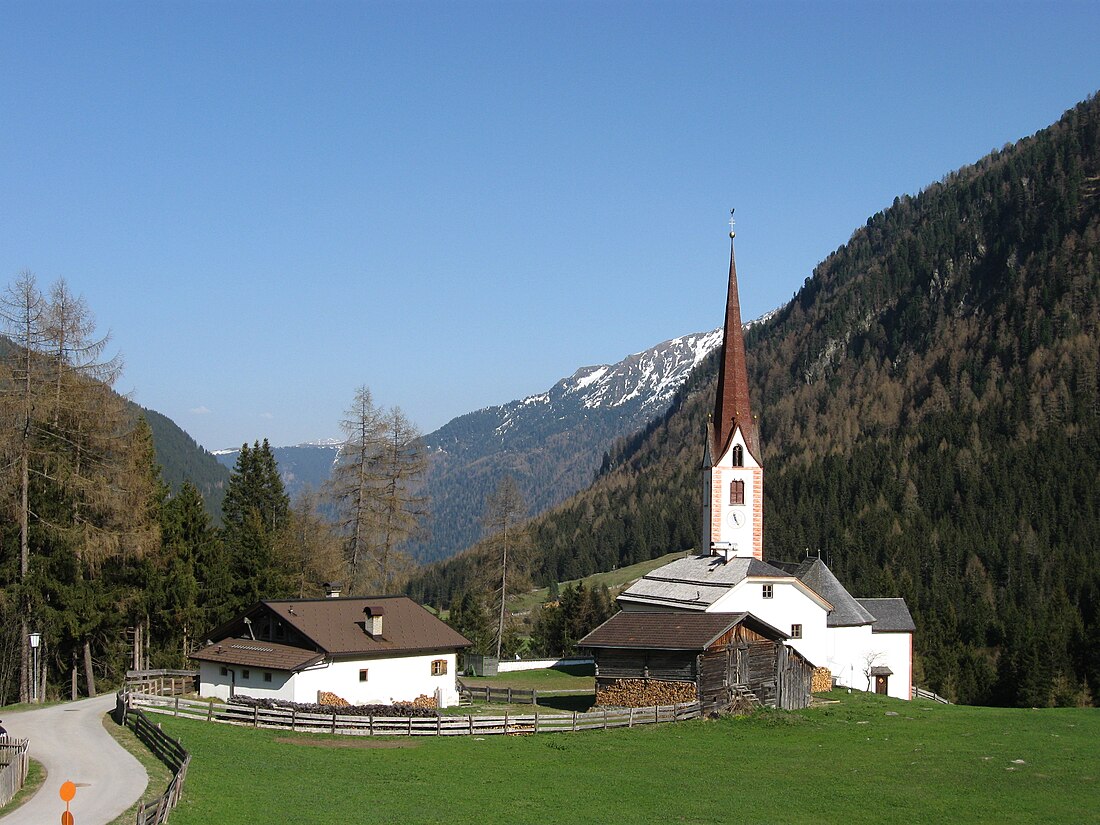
[[70, 741]]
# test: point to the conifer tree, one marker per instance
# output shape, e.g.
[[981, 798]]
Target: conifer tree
[[255, 511]]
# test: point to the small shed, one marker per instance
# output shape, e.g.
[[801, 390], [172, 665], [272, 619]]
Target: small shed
[[724, 655]]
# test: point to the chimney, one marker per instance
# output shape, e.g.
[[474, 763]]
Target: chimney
[[332, 590], [373, 621]]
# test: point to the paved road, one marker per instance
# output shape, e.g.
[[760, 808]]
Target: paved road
[[71, 742]]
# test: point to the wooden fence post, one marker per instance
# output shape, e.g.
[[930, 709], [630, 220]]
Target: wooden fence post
[[536, 718], [630, 721], [177, 709], [574, 721], [470, 719], [334, 723], [255, 716]]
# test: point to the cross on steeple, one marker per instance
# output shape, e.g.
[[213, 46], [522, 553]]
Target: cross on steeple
[[731, 224]]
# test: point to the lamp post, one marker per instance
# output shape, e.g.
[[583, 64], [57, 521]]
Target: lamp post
[[35, 638]]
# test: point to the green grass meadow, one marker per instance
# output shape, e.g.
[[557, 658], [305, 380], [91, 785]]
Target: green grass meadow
[[844, 762]]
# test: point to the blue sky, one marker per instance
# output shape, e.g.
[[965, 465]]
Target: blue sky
[[269, 204]]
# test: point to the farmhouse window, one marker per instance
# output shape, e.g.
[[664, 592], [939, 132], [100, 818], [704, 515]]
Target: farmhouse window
[[363, 675], [767, 591], [280, 630], [796, 631], [244, 674], [267, 675], [439, 667], [225, 671], [738, 456], [737, 492]]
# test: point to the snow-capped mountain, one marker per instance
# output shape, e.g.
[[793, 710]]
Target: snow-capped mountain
[[551, 442]]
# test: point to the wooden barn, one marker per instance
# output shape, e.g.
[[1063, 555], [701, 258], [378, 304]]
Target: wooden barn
[[725, 655]]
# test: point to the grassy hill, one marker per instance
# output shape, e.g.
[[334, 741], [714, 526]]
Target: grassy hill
[[843, 762]]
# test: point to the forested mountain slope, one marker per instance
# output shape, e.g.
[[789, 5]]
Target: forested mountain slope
[[180, 458], [930, 417]]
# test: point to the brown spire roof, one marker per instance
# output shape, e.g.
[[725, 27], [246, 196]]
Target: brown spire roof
[[731, 404]]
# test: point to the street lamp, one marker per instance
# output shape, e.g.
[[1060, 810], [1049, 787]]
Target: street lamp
[[36, 638]]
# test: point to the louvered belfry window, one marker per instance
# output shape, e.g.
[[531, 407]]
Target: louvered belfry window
[[737, 492]]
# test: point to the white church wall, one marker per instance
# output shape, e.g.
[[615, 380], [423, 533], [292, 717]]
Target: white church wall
[[787, 606], [848, 647], [897, 654], [854, 650]]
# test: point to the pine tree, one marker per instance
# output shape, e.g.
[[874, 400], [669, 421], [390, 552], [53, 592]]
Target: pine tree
[[255, 511]]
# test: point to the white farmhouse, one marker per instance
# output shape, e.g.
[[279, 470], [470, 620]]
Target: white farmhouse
[[377, 650], [865, 643]]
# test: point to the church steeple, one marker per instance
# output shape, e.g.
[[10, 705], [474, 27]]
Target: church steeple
[[731, 403]]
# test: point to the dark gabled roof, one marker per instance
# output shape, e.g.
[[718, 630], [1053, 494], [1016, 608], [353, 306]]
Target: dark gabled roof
[[891, 615], [672, 631], [252, 653], [336, 627], [847, 611]]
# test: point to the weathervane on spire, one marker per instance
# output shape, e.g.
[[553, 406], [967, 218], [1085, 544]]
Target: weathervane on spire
[[732, 233]]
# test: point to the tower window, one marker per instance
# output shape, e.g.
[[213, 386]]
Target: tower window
[[737, 492], [767, 591], [796, 631], [738, 456]]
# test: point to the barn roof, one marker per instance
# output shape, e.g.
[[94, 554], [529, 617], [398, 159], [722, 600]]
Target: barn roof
[[330, 627], [672, 631], [891, 615]]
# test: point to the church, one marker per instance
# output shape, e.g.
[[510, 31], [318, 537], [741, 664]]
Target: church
[[866, 644]]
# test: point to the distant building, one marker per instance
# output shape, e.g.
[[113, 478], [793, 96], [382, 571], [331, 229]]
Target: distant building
[[865, 643], [377, 650]]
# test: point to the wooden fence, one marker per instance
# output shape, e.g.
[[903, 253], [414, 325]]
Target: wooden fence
[[488, 693], [162, 682], [13, 773], [165, 748], [417, 726], [921, 693]]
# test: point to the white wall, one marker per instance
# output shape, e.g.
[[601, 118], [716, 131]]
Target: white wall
[[394, 679], [852, 648], [898, 653], [213, 684], [788, 605], [848, 648], [512, 665]]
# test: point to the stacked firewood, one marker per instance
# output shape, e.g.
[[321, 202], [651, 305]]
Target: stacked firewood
[[421, 702], [822, 680], [640, 693], [331, 699]]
